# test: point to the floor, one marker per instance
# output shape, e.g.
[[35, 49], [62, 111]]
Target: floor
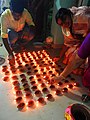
[[51, 111]]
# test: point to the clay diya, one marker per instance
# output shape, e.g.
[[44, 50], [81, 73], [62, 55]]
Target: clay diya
[[14, 77], [58, 92], [16, 83], [42, 101], [65, 90], [34, 88], [38, 93], [52, 87], [70, 86], [19, 93], [33, 82], [6, 79], [22, 107], [22, 76], [26, 85], [50, 97], [24, 80], [45, 90], [28, 96], [16, 88], [31, 104], [19, 100], [43, 85]]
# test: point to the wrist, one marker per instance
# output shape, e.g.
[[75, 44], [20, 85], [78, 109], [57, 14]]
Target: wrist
[[61, 75]]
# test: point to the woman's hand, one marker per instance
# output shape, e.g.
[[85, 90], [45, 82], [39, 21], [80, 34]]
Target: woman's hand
[[56, 59], [57, 79]]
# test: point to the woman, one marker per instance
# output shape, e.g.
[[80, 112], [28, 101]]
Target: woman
[[75, 24], [76, 60]]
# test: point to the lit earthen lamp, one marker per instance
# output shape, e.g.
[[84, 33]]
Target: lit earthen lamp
[[13, 70], [26, 85], [4, 68], [6, 79], [52, 87], [27, 65], [58, 92], [27, 90], [31, 78], [34, 88], [70, 86], [43, 85], [7, 72], [45, 90], [65, 90], [39, 80], [24, 80], [50, 98], [76, 84], [16, 88], [66, 81], [22, 107], [33, 82], [38, 75], [19, 100], [19, 93], [42, 101], [60, 83], [29, 68], [28, 96], [29, 72], [38, 93], [31, 104], [16, 83], [14, 77], [22, 76]]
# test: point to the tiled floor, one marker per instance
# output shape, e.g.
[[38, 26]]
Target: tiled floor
[[50, 111]]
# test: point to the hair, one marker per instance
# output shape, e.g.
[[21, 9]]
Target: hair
[[17, 6], [80, 112], [62, 13]]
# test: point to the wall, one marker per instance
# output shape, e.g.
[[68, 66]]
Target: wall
[[4, 4]]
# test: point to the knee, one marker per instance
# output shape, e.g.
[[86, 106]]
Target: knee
[[12, 35]]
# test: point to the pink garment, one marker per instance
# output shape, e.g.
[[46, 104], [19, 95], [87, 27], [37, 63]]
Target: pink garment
[[68, 114]]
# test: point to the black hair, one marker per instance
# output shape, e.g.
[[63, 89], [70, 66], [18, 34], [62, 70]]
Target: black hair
[[62, 13], [17, 6], [80, 112]]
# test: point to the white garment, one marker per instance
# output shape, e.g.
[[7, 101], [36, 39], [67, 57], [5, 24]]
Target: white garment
[[4, 3]]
